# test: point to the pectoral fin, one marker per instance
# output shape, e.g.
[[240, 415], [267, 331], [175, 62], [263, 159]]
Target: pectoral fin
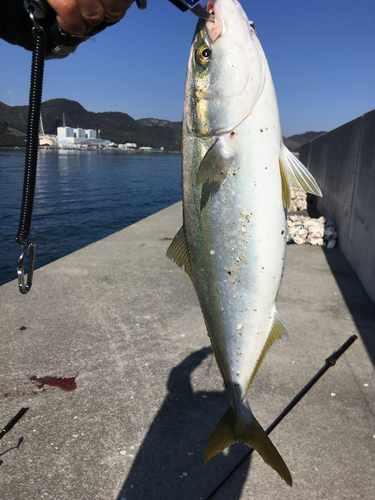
[[293, 173], [178, 252], [215, 165]]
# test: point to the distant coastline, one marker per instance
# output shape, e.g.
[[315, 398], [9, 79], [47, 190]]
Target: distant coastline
[[115, 126]]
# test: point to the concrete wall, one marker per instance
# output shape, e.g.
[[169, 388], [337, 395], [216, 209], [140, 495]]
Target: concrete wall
[[343, 163]]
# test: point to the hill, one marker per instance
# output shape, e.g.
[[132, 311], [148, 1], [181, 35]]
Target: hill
[[295, 141], [115, 126]]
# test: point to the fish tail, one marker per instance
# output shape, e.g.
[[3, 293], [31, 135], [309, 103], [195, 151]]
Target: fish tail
[[231, 430]]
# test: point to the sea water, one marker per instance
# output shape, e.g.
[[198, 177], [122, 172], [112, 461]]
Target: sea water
[[81, 197]]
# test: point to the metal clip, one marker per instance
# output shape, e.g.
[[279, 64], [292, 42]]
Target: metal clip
[[29, 247], [36, 10], [37, 7]]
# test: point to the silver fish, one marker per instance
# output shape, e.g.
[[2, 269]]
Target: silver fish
[[237, 176]]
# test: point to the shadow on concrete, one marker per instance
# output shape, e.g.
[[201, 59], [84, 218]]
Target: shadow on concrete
[[170, 463], [20, 441], [358, 302]]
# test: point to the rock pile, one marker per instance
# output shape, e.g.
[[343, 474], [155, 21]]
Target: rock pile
[[303, 229], [298, 200]]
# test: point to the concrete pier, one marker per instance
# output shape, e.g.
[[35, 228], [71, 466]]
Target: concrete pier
[[123, 325], [343, 163]]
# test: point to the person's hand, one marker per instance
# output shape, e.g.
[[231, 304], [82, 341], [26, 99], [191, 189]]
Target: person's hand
[[75, 16]]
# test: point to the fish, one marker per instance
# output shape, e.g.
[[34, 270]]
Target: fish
[[237, 176]]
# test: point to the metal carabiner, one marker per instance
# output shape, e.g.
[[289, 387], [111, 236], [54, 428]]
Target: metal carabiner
[[38, 8], [28, 248]]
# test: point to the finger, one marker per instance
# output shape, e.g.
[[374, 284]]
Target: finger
[[69, 16], [74, 16], [92, 11], [107, 10]]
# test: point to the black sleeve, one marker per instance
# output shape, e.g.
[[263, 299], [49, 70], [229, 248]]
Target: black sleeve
[[16, 28], [15, 24]]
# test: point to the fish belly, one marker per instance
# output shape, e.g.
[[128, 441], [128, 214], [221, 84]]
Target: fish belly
[[238, 259]]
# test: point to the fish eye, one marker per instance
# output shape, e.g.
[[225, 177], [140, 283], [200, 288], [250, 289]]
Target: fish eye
[[203, 54]]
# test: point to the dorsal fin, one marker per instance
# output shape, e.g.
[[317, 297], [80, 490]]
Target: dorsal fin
[[178, 252], [297, 174], [278, 331]]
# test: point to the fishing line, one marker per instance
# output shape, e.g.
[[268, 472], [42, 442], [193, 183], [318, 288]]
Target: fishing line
[[330, 361]]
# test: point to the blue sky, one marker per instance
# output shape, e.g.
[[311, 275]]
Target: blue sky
[[321, 55]]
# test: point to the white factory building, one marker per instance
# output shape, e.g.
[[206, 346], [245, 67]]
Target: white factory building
[[128, 145], [68, 137]]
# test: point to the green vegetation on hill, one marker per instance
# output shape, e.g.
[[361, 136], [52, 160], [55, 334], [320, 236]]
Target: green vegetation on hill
[[115, 126]]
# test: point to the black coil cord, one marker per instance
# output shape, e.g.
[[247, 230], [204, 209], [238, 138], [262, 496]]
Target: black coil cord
[[35, 100], [62, 45], [59, 44]]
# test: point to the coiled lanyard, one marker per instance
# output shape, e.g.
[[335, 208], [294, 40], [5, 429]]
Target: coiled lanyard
[[31, 159], [37, 10]]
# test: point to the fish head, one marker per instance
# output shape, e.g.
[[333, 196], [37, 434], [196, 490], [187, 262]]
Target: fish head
[[226, 72]]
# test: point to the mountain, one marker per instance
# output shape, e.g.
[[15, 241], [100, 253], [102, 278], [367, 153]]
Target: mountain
[[12, 121], [115, 126], [295, 141]]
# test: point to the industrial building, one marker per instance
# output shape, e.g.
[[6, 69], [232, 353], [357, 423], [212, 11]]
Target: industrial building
[[68, 137], [128, 145]]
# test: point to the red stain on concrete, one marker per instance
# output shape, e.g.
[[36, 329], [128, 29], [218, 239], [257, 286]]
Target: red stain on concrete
[[65, 384]]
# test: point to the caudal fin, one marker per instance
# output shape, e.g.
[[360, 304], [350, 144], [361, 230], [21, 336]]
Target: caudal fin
[[230, 430]]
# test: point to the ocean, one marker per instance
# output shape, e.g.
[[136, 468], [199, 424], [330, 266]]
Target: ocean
[[81, 197]]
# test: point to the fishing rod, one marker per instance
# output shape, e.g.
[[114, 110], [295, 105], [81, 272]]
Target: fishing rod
[[330, 361], [13, 422]]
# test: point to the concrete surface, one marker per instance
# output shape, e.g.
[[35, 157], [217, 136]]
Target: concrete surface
[[343, 163], [124, 321]]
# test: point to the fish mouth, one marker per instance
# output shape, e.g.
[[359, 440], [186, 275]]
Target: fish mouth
[[210, 7], [214, 28]]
